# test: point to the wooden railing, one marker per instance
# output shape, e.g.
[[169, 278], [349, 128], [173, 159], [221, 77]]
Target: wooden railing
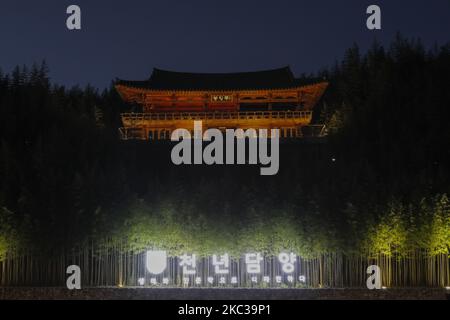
[[216, 115]]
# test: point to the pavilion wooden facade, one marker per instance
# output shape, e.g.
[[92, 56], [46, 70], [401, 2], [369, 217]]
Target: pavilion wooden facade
[[264, 99]]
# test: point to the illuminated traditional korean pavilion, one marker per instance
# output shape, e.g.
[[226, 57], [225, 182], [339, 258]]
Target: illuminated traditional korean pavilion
[[263, 99]]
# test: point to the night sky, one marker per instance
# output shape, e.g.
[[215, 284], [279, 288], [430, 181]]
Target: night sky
[[126, 39]]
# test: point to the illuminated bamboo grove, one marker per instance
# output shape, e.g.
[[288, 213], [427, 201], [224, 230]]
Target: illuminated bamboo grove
[[410, 253], [372, 192]]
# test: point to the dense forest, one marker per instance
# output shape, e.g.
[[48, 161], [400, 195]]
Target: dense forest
[[375, 188]]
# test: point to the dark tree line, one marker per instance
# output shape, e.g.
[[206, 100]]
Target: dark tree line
[[376, 185]]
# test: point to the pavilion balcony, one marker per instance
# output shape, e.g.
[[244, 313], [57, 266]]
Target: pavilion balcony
[[158, 126], [136, 119]]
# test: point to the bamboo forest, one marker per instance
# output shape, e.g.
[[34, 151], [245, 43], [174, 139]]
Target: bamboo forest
[[374, 191]]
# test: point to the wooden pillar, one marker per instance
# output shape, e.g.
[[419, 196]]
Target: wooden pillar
[[145, 133], [270, 102], [299, 100], [174, 100], [206, 101]]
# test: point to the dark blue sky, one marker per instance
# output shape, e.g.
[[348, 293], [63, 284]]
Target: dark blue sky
[[127, 39]]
